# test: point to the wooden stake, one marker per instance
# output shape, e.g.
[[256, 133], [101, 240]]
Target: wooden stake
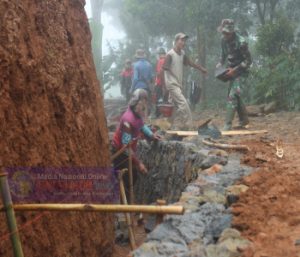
[[130, 177], [10, 216], [115, 155], [127, 215]]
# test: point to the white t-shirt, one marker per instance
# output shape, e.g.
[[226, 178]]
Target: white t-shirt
[[175, 77]]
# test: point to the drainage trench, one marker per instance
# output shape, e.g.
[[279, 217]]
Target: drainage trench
[[200, 179]]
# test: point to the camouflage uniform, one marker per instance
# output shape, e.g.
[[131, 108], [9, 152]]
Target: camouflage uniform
[[235, 54]]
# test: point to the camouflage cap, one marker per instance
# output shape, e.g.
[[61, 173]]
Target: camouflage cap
[[227, 26]]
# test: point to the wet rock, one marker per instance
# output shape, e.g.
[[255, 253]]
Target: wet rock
[[218, 225], [219, 251], [166, 240], [212, 160], [233, 241], [218, 152], [171, 165], [212, 196], [236, 189], [231, 199], [200, 231], [213, 169], [229, 244], [155, 249], [197, 249], [150, 223]]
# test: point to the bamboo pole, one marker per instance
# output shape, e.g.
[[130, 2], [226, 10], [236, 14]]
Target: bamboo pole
[[115, 155], [130, 177], [127, 215], [224, 133], [10, 216], [113, 208], [160, 217]]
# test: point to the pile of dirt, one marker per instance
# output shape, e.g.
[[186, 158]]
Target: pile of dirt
[[51, 115], [268, 214]]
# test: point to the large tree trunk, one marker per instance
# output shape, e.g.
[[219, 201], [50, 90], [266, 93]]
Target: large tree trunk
[[52, 115]]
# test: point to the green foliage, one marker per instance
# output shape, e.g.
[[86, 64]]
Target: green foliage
[[276, 74], [278, 79], [273, 38]]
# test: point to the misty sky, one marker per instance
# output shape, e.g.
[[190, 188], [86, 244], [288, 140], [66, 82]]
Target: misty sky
[[110, 33]]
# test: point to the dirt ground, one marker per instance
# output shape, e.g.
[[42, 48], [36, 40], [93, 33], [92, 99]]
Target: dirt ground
[[268, 214]]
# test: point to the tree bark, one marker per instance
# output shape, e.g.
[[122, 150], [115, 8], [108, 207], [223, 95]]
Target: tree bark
[[261, 12], [52, 115], [273, 4]]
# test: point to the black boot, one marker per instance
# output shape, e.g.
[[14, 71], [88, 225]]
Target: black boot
[[242, 113], [229, 118]]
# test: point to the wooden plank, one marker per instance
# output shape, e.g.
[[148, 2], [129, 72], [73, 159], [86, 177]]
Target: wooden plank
[[224, 133], [243, 132], [182, 133]]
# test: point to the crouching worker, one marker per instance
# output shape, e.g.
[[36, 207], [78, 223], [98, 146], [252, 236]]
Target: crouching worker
[[129, 131]]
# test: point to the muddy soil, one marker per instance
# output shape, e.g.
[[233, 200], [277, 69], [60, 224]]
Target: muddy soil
[[268, 214]]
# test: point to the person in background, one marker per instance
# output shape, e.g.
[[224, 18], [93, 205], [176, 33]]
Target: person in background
[[237, 58], [126, 79], [159, 88], [129, 131], [173, 74], [142, 76], [142, 72]]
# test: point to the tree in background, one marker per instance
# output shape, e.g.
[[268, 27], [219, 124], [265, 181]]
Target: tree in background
[[271, 27], [97, 32], [277, 75]]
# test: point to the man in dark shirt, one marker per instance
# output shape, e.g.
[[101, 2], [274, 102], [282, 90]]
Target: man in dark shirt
[[236, 56]]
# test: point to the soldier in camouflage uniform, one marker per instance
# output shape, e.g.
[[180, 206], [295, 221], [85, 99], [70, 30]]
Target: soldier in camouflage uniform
[[237, 58]]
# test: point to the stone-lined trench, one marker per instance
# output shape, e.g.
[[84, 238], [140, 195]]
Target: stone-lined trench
[[200, 179]]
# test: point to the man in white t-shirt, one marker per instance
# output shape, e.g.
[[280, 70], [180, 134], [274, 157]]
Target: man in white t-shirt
[[173, 74]]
